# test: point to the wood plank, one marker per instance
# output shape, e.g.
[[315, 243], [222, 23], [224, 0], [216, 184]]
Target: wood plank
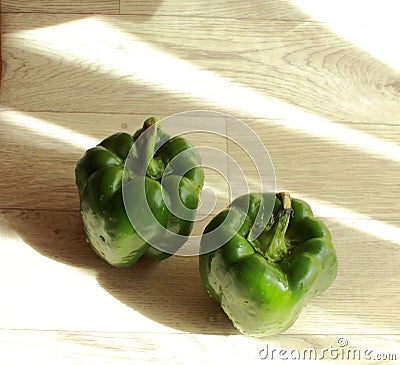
[[101, 348], [61, 6], [55, 242], [275, 9], [42, 151], [337, 174], [70, 288], [39, 161], [253, 68], [282, 71], [340, 11]]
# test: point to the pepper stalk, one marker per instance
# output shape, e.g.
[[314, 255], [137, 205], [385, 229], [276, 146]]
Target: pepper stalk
[[272, 243], [149, 164]]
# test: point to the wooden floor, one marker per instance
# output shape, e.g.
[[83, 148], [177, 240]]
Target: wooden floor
[[319, 84]]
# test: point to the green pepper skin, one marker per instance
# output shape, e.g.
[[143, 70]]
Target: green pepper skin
[[260, 295], [99, 175]]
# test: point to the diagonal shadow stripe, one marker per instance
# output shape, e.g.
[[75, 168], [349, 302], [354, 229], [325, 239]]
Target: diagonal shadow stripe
[[124, 56]]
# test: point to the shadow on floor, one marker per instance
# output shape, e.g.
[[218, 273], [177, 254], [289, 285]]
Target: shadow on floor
[[168, 292]]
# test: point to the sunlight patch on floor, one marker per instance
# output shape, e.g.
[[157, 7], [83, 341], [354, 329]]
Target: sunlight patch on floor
[[51, 286], [100, 47], [354, 220], [46, 129], [347, 18]]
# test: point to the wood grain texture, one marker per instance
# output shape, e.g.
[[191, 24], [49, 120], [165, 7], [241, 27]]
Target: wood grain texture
[[45, 164], [274, 60], [276, 9], [340, 175], [61, 6], [100, 348], [168, 297], [319, 87]]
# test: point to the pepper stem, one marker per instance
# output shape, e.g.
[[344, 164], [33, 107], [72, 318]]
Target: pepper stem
[[272, 243], [146, 139]]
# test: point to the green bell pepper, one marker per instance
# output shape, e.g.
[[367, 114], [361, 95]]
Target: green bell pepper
[[263, 284], [99, 177]]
